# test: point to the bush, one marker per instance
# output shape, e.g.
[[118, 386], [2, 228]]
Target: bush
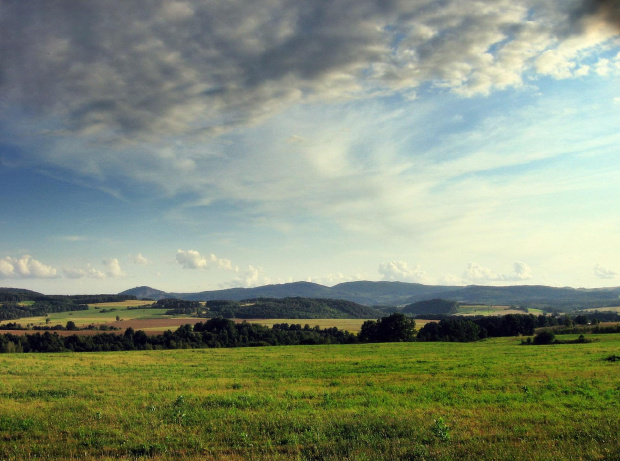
[[544, 337]]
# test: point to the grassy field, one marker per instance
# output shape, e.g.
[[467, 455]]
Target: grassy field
[[489, 400]]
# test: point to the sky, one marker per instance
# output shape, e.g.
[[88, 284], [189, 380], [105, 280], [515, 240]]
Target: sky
[[203, 145]]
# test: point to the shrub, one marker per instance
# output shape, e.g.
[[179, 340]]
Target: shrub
[[544, 337]]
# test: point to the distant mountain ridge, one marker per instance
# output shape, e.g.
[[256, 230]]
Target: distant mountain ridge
[[401, 293]]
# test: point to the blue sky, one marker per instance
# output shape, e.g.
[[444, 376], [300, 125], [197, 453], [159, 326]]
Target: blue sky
[[196, 145]]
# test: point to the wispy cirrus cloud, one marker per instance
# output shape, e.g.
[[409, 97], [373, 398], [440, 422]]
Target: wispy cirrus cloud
[[196, 69], [140, 260], [604, 273], [408, 124]]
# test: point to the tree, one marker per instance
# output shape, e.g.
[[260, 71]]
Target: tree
[[393, 328], [581, 320], [71, 326]]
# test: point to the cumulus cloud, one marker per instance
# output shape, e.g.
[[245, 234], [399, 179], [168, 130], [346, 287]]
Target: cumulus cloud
[[401, 272], [25, 267], [192, 259], [480, 274], [87, 272], [249, 278], [604, 273], [140, 260], [113, 268]]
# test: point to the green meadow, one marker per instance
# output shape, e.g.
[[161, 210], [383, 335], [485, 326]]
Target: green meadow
[[494, 399]]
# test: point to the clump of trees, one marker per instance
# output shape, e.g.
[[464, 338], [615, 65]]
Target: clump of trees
[[12, 310], [452, 330], [546, 337], [178, 306], [393, 328]]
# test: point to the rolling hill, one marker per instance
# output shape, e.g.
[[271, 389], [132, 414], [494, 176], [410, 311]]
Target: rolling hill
[[400, 293]]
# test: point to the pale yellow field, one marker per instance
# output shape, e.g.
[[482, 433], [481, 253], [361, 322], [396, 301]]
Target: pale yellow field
[[493, 310], [604, 309], [128, 303], [351, 325]]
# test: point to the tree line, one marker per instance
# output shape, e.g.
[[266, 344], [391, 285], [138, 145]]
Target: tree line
[[14, 307], [221, 332], [214, 333], [12, 310]]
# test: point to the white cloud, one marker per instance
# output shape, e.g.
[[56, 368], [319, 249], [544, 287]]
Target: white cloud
[[334, 279], [401, 272], [222, 263], [87, 272], [192, 259], [479, 274], [73, 238], [140, 260], [113, 268], [522, 271], [604, 273], [249, 278], [26, 267]]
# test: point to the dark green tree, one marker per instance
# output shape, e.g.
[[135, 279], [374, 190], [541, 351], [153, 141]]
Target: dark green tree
[[544, 337], [393, 328]]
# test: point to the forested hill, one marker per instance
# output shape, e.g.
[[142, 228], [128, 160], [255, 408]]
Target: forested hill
[[399, 293], [291, 308], [17, 303]]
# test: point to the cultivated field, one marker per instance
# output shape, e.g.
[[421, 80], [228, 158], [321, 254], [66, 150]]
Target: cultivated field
[[604, 309], [154, 321], [483, 309], [489, 400], [106, 313]]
